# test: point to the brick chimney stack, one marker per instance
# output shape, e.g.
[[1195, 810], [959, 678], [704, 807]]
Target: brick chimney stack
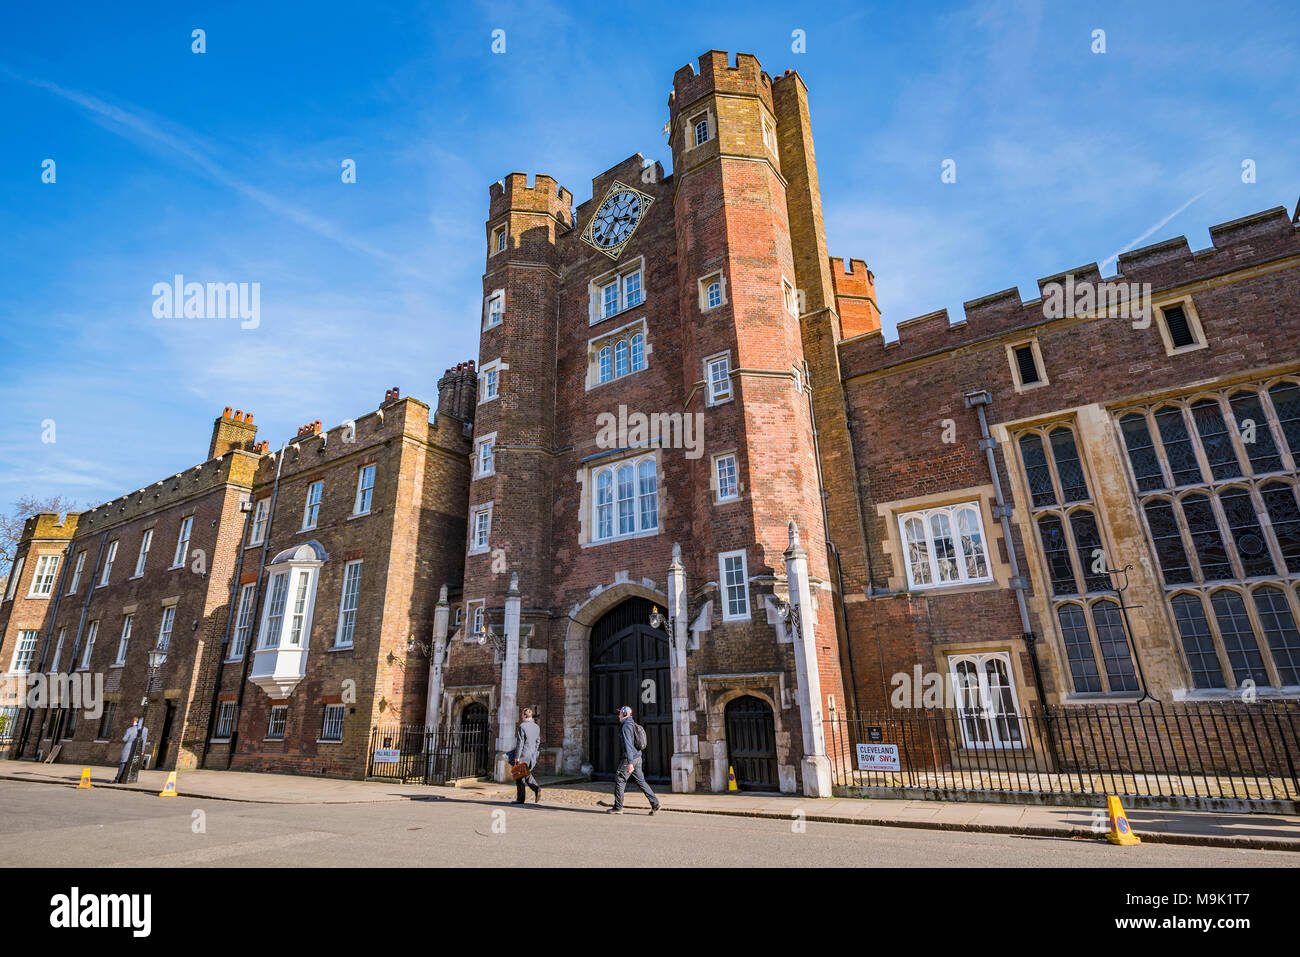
[[232, 431], [458, 391]]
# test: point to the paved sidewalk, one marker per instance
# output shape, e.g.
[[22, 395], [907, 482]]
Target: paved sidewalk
[[1269, 831]]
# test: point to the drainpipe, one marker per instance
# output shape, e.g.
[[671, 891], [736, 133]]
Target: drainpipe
[[852, 702], [977, 400], [225, 638], [257, 604]]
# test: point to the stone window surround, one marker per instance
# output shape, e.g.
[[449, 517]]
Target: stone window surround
[[1249, 480], [473, 521], [723, 597], [493, 296], [1019, 386], [952, 511], [1193, 323], [595, 302], [42, 559], [1246, 590], [498, 241], [586, 479], [596, 343], [713, 476], [949, 661], [494, 365], [709, 400], [982, 497], [689, 128], [489, 440], [721, 278]]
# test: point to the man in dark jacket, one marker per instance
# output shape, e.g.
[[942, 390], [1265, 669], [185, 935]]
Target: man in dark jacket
[[631, 765], [136, 736], [528, 747]]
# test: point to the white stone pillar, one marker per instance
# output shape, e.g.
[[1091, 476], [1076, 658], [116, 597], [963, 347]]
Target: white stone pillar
[[433, 704], [508, 708], [684, 758], [816, 766]]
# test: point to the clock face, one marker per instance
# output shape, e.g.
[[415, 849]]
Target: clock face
[[616, 219]]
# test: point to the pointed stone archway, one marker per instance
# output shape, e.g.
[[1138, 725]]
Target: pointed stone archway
[[576, 751]]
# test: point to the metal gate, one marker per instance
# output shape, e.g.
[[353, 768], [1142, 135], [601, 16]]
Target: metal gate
[[630, 666], [413, 754], [751, 744]]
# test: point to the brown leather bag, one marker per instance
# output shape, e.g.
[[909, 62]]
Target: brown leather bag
[[519, 770]]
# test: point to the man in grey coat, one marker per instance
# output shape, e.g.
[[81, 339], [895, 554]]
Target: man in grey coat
[[631, 765], [528, 748], [136, 736]]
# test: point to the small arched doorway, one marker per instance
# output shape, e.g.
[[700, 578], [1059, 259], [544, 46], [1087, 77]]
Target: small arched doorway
[[472, 741], [751, 743], [630, 666]]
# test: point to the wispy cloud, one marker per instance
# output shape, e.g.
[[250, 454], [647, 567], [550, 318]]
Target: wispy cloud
[[136, 125]]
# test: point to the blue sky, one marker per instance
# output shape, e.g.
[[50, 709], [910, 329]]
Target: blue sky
[[225, 166]]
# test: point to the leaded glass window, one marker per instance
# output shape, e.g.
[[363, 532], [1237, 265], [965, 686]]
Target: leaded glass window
[[1286, 403], [1078, 649], [1280, 632], [1178, 446], [1115, 654], [1057, 551], [1198, 642], [1168, 540], [1142, 453], [1206, 538], [1087, 539], [1256, 436], [1215, 439], [1280, 502], [1246, 533], [1074, 487], [1239, 639], [1037, 471]]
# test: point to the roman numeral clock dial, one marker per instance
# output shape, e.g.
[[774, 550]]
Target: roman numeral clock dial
[[616, 219]]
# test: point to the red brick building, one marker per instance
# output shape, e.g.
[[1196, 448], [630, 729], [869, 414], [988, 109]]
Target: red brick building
[[688, 474], [284, 586]]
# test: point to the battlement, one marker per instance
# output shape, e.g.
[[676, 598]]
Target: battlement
[[855, 297], [46, 525], [717, 74], [1239, 244], [237, 467], [544, 196]]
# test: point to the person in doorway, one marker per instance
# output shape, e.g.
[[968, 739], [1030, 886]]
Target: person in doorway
[[528, 747], [631, 764], [136, 736]]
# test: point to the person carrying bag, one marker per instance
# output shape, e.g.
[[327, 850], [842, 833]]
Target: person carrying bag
[[528, 748]]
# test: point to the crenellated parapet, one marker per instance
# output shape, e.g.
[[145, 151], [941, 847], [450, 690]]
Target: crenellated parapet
[[855, 297], [545, 195], [1240, 244], [716, 74]]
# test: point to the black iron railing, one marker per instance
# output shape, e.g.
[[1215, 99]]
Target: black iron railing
[[1212, 752], [413, 754]]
